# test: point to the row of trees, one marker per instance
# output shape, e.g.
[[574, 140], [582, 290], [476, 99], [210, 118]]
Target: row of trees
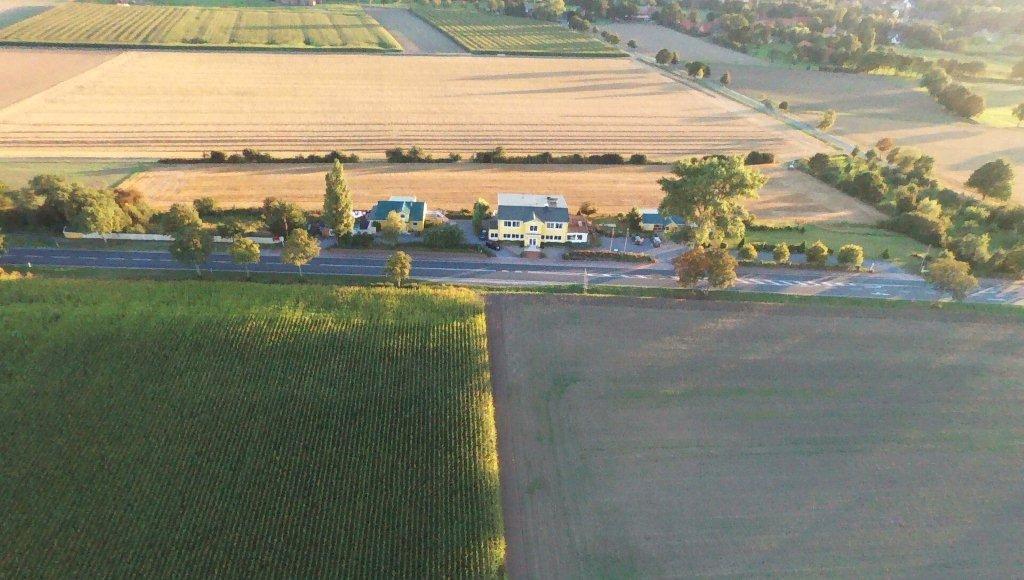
[[898, 181], [954, 96], [707, 193]]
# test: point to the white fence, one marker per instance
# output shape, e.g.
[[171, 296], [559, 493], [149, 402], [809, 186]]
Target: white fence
[[160, 238]]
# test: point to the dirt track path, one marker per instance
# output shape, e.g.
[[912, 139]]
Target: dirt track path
[[415, 35]]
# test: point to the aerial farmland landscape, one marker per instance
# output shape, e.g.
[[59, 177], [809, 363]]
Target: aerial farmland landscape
[[511, 288]]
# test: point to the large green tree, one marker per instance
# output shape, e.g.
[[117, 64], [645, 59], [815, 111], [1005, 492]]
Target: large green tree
[[282, 217], [707, 193], [993, 179], [181, 217], [100, 214], [951, 276], [716, 265], [299, 249], [392, 227], [398, 267], [338, 202], [192, 246], [481, 211], [244, 252]]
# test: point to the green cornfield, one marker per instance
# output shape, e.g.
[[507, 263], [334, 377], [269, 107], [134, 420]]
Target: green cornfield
[[185, 429], [485, 33], [334, 27]]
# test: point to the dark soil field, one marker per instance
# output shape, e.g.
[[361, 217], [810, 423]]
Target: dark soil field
[[680, 439]]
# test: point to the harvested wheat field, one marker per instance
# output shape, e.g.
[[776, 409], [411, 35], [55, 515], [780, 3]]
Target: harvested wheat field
[[27, 71], [715, 439], [152, 103], [870, 106], [789, 195]]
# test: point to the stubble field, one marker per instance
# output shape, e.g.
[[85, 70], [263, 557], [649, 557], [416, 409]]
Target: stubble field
[[870, 106], [151, 104], [788, 196], [27, 71], [716, 439]]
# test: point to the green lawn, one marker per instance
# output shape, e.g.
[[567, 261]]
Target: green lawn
[[335, 27], [191, 429], [15, 173], [1000, 100], [874, 240], [485, 33]]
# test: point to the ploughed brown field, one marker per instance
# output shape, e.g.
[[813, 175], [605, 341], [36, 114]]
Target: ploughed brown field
[[712, 439], [151, 104], [789, 195], [870, 107]]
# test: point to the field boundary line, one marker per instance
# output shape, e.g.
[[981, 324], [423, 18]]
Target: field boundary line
[[200, 47], [707, 88], [90, 72]]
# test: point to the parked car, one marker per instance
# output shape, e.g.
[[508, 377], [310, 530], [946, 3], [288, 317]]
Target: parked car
[[482, 235], [493, 245], [656, 242], [639, 240]]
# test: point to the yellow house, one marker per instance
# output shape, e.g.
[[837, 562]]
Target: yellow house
[[534, 220], [413, 212]]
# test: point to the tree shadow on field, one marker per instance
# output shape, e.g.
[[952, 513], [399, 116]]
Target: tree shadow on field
[[574, 89], [554, 74]]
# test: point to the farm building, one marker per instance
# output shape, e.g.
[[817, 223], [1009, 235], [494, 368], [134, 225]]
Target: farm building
[[645, 13], [651, 220], [534, 220], [412, 211], [579, 230]]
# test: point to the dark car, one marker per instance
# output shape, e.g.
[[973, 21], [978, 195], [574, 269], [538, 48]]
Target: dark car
[[482, 235], [494, 246]]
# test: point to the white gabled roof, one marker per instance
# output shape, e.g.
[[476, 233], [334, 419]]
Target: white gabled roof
[[530, 200]]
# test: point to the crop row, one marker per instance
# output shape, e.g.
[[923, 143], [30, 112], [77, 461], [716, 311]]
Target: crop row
[[183, 429], [340, 27], [491, 33]]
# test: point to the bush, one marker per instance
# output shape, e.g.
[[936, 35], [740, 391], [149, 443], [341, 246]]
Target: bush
[[498, 155], [206, 206], [869, 186], [921, 227], [447, 236], [781, 253], [817, 254], [355, 240], [747, 253], [851, 256], [416, 155], [972, 248], [1008, 217], [1013, 262], [759, 158]]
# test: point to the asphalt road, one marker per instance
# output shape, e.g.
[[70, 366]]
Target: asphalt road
[[473, 270]]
